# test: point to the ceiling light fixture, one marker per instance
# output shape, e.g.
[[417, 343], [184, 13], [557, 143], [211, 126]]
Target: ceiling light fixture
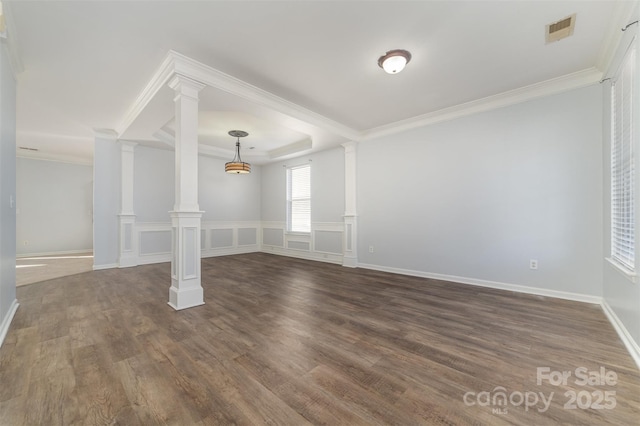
[[237, 165], [394, 61]]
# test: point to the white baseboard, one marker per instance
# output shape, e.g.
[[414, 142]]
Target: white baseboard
[[148, 259], [105, 266], [54, 253], [625, 336], [6, 321], [490, 284], [301, 254], [253, 248]]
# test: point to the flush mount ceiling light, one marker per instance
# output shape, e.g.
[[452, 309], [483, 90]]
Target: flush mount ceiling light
[[237, 165], [394, 61]]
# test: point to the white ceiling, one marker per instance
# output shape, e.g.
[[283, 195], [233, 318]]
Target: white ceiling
[[85, 63]]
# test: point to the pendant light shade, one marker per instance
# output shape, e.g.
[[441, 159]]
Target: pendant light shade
[[236, 165]]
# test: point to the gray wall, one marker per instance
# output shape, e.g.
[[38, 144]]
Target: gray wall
[[7, 190], [228, 197], [153, 184], [480, 196], [327, 187], [222, 196], [54, 207], [106, 202]]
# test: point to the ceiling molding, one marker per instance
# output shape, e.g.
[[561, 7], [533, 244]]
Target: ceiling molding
[[293, 148], [225, 154], [159, 79], [219, 80], [623, 14], [176, 63], [216, 152], [165, 137], [53, 156], [545, 88], [105, 133]]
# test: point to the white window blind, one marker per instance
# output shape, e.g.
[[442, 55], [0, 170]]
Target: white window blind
[[622, 165], [299, 199]]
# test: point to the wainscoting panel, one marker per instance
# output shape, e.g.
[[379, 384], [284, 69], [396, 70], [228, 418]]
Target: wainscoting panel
[[328, 242], [222, 238], [155, 241], [273, 237], [324, 243], [298, 245], [247, 236], [227, 238]]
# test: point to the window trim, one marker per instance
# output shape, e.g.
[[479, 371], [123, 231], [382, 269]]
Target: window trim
[[289, 200], [623, 187]]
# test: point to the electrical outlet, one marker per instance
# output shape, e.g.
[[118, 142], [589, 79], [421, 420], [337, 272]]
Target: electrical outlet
[[533, 264], [370, 249]]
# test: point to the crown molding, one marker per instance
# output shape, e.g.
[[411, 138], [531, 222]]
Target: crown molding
[[55, 157], [299, 147], [178, 64], [166, 137], [216, 152], [623, 13], [545, 88], [159, 79], [105, 133], [219, 80]]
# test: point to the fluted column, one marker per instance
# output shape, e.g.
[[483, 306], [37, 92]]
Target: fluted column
[[186, 286]]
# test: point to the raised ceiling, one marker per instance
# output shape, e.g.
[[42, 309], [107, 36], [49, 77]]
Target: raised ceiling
[[86, 62]]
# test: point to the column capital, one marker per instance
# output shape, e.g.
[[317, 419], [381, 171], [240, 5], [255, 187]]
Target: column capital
[[350, 146], [105, 134], [185, 85], [127, 145]]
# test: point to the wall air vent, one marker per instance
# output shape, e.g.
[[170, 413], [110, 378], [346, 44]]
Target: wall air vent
[[26, 148], [560, 29]]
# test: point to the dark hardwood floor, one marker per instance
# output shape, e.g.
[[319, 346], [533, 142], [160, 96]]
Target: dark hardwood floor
[[292, 342]]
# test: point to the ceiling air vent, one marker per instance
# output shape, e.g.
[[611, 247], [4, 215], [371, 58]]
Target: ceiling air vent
[[560, 29]]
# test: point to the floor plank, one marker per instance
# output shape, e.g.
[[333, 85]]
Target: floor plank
[[292, 342]]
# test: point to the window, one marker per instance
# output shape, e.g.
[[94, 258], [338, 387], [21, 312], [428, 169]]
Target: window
[[622, 165], [299, 199]]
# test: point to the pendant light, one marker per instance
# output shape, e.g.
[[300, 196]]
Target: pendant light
[[237, 165]]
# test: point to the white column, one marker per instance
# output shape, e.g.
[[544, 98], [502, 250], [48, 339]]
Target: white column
[[350, 243], [186, 287], [128, 254]]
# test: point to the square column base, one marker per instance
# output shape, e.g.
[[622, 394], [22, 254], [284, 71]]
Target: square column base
[[185, 298], [350, 262], [186, 287]]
